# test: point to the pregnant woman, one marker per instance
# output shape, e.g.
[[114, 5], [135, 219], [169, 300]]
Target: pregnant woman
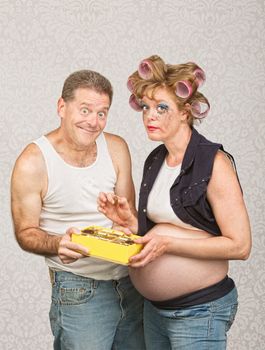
[[191, 214]]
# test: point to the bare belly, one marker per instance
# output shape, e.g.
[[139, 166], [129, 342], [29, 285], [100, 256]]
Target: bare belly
[[170, 276]]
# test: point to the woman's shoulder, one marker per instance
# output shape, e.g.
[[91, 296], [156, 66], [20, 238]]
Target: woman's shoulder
[[156, 153]]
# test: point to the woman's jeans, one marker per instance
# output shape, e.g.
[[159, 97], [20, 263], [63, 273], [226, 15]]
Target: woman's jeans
[[200, 327], [87, 314]]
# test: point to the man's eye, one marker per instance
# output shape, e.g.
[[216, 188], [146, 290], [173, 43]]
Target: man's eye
[[84, 110], [101, 115]]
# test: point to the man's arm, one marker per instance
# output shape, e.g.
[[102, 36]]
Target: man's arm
[[28, 187], [121, 159]]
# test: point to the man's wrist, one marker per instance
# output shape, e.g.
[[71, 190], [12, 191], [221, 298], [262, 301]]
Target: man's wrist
[[57, 243], [132, 223]]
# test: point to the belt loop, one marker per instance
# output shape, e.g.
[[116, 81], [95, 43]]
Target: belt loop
[[115, 283], [52, 275], [94, 284]]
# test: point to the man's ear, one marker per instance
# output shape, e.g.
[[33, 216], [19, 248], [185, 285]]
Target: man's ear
[[60, 107]]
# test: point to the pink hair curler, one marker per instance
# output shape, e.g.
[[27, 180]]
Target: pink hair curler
[[183, 89], [130, 85], [134, 103], [145, 69], [199, 109], [199, 76]]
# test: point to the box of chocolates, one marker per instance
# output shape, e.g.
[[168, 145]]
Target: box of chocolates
[[108, 244]]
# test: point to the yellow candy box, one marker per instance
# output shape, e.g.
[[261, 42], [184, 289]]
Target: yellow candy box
[[108, 244]]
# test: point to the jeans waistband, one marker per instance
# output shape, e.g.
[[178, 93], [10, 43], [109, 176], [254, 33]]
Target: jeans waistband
[[56, 276], [201, 296]]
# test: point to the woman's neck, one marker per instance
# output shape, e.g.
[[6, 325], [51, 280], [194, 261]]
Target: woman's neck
[[177, 146]]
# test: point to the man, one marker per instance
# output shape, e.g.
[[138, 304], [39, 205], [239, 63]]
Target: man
[[55, 184]]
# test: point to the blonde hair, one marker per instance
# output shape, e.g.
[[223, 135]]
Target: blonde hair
[[182, 80]]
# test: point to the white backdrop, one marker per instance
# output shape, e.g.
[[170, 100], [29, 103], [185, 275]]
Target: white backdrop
[[42, 42]]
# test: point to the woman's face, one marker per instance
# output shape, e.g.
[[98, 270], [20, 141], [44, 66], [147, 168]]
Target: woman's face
[[161, 116]]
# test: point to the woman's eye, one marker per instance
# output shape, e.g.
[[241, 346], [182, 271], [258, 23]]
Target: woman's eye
[[162, 108], [144, 107]]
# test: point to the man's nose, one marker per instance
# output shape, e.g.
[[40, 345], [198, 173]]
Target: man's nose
[[92, 119]]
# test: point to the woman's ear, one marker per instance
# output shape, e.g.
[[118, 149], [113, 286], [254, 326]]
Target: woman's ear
[[184, 114]]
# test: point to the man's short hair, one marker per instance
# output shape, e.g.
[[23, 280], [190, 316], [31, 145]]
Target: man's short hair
[[86, 79]]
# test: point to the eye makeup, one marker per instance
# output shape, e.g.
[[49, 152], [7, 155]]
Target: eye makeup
[[162, 108]]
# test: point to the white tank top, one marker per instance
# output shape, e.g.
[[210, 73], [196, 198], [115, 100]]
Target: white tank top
[[159, 209], [71, 201]]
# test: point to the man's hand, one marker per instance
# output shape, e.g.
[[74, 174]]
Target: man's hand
[[69, 251], [116, 208]]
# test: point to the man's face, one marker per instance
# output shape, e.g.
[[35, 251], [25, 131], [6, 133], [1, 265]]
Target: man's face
[[84, 117]]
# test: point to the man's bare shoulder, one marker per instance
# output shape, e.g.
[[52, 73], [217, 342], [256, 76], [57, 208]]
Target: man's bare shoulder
[[30, 161], [116, 143], [114, 139], [119, 151]]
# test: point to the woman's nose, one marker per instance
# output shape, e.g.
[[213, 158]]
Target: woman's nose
[[152, 114]]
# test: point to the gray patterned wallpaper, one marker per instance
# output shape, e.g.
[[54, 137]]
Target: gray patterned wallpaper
[[41, 42]]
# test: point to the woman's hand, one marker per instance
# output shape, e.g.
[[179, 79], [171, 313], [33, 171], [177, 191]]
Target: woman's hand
[[117, 209], [154, 246]]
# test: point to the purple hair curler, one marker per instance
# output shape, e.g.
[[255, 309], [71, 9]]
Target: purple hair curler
[[145, 70], [183, 89], [134, 103], [130, 85], [199, 109], [199, 76]]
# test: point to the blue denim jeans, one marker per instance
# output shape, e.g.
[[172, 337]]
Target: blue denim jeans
[[200, 327], [87, 314]]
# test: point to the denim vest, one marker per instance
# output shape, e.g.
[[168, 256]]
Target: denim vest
[[188, 192]]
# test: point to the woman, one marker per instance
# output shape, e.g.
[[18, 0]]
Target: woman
[[191, 214]]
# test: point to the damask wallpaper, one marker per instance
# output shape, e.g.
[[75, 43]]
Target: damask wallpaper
[[42, 42]]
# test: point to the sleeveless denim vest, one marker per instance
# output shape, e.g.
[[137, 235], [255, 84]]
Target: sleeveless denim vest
[[188, 192]]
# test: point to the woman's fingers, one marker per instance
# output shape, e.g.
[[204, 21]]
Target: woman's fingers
[[154, 246]]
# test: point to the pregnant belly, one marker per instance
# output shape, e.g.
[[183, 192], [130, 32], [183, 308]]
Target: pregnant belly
[[171, 276]]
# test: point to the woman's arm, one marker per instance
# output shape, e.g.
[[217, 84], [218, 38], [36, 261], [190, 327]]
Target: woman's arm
[[225, 197]]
